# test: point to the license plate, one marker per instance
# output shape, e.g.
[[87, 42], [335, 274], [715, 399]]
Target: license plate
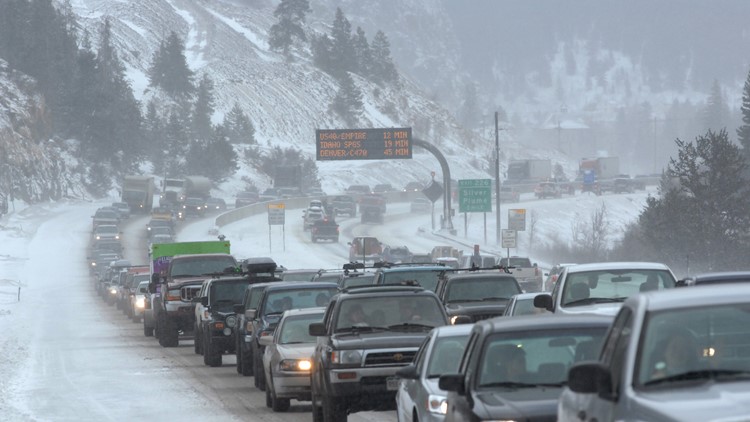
[[391, 383]]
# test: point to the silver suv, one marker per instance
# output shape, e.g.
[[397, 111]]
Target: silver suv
[[529, 275]]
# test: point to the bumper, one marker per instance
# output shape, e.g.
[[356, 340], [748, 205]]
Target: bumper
[[292, 386], [530, 285], [362, 381]]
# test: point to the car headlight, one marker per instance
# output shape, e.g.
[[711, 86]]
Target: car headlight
[[113, 291], [454, 318], [295, 365], [117, 236], [231, 321], [437, 404], [347, 357], [140, 302], [98, 237]]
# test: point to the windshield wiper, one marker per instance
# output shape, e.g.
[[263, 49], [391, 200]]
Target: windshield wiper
[[704, 374], [410, 325], [592, 300], [358, 328], [495, 298], [464, 300], [512, 384]]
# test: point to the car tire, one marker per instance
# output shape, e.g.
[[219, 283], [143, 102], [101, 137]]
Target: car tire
[[168, 335], [211, 356], [333, 410], [246, 363], [277, 404], [269, 399], [197, 341], [317, 411], [147, 331], [258, 375]]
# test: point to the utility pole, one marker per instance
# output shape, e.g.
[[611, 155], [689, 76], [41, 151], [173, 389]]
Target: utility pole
[[498, 231]]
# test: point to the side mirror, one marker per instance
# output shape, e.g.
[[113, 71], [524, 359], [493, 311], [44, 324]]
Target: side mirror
[[543, 301], [265, 340], [155, 278], [589, 378], [408, 372], [250, 314], [317, 329], [152, 287], [452, 382]]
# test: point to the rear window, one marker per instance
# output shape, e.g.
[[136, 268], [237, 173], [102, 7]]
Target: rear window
[[516, 262], [283, 300]]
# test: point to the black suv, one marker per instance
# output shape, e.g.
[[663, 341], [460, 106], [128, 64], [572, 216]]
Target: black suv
[[476, 295], [367, 334], [275, 299], [215, 317]]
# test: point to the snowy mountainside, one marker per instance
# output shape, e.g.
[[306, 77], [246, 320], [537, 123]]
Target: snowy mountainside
[[285, 100]]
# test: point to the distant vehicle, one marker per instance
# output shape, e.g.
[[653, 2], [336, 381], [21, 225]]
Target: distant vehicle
[[215, 204], [312, 215], [547, 190], [270, 194], [397, 254], [423, 275], [365, 248], [344, 204], [476, 295], [195, 207], [413, 187], [246, 198], [529, 275], [358, 190], [382, 188], [290, 192], [138, 193], [623, 185], [420, 205], [553, 274], [509, 194], [123, 209], [529, 170], [109, 217], [324, 229], [107, 231]]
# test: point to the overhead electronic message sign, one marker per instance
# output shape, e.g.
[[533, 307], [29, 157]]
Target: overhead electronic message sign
[[363, 144]]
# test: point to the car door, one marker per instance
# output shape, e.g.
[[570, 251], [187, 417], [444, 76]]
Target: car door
[[409, 389], [614, 357]]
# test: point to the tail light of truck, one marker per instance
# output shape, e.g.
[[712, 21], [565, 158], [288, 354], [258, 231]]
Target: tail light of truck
[[174, 295]]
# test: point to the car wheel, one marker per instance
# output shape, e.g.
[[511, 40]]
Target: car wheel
[[317, 411], [277, 404], [333, 410], [259, 376], [246, 362], [211, 356], [196, 340], [147, 331], [269, 400]]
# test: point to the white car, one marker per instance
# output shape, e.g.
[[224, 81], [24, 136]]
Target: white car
[[287, 358], [418, 396], [138, 301], [601, 288]]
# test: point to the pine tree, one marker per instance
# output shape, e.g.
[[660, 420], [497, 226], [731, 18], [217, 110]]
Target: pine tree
[[743, 132], [203, 109], [716, 113], [705, 213], [176, 146], [384, 71], [291, 15], [238, 127], [348, 101], [363, 53], [342, 53], [169, 69], [322, 49]]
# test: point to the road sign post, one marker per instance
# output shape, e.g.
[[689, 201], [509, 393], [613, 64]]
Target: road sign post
[[509, 239], [276, 217]]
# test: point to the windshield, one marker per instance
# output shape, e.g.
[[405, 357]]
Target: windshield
[[390, 312], [224, 294], [196, 266], [285, 299], [446, 355], [473, 289], [294, 329], [427, 279], [536, 357], [690, 345], [588, 287]]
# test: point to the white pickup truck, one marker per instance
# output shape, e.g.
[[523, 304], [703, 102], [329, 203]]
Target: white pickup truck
[[528, 275]]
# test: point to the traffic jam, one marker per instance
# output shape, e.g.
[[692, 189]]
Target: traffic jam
[[440, 335]]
